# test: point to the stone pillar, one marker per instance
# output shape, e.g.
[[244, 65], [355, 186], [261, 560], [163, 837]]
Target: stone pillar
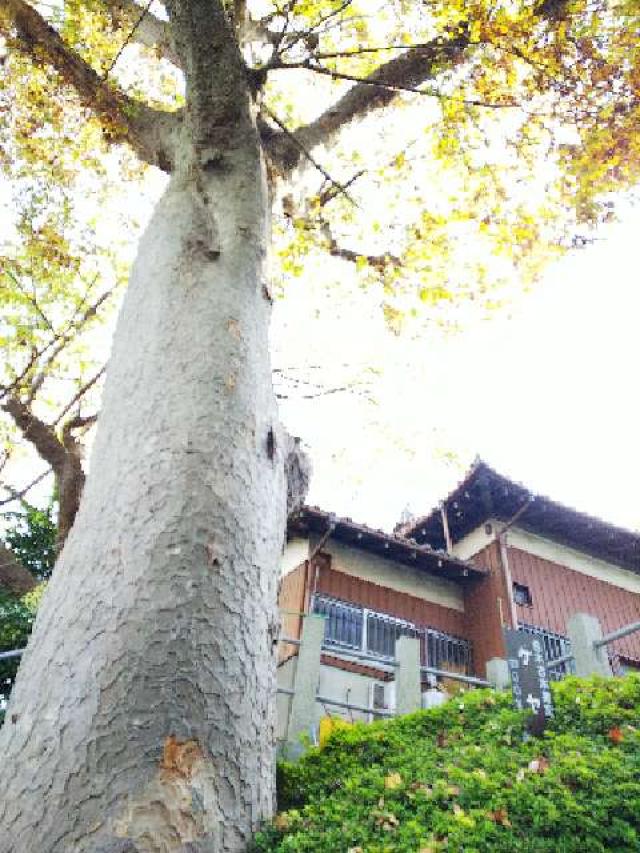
[[498, 674], [303, 714], [408, 676], [583, 630]]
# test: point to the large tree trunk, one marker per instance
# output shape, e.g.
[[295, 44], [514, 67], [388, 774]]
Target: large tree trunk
[[143, 714]]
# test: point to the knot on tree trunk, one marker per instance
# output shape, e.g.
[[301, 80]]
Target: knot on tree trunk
[[297, 469]]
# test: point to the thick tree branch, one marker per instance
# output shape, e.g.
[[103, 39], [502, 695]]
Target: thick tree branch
[[39, 433], [377, 91], [63, 454], [150, 31], [148, 131]]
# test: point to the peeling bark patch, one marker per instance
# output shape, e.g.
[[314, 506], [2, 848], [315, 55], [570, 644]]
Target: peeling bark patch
[[180, 756], [179, 806], [231, 382], [234, 328]]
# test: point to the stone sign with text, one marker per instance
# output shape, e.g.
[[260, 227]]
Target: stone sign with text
[[529, 677]]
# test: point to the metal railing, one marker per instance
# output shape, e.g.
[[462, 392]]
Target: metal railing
[[556, 650], [350, 627]]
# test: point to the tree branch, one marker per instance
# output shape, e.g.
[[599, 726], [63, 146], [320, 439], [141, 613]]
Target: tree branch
[[78, 396], [18, 495], [40, 434], [124, 120], [372, 93], [380, 262], [150, 31]]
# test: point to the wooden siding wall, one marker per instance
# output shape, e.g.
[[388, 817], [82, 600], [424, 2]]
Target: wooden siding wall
[[486, 605], [293, 599], [558, 592], [399, 604]]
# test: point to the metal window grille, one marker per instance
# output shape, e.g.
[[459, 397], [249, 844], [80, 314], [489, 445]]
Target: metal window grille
[[555, 646], [351, 627], [344, 622]]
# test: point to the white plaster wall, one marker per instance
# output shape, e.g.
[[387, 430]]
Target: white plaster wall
[[396, 576], [548, 550], [345, 687], [296, 551]]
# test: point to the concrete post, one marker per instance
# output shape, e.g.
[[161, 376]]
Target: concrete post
[[303, 714], [408, 676], [583, 630], [498, 674]]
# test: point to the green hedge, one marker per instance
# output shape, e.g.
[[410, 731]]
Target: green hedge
[[466, 777]]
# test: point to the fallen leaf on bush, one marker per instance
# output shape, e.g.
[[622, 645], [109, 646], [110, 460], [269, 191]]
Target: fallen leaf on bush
[[281, 821], [500, 816], [615, 735], [457, 810], [441, 739], [539, 765], [393, 780], [453, 790], [355, 850]]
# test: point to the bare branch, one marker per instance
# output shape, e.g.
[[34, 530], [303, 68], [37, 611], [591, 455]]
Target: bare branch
[[58, 342], [79, 395], [376, 91], [124, 120], [338, 187], [380, 262], [429, 93], [18, 495]]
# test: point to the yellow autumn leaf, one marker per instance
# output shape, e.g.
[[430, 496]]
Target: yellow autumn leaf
[[393, 780]]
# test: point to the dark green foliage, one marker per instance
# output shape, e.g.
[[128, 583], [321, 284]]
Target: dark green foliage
[[464, 777], [31, 536], [16, 620]]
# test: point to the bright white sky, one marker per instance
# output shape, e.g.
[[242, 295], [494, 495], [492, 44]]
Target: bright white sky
[[545, 391]]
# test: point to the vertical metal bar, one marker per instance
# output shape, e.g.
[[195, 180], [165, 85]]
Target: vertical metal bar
[[364, 638]]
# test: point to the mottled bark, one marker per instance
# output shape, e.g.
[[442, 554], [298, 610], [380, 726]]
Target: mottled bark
[[143, 714]]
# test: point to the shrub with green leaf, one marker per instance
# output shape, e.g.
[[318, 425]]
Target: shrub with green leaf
[[467, 777]]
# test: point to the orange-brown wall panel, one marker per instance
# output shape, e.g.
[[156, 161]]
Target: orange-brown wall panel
[[399, 604], [486, 605], [292, 602], [558, 592]]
